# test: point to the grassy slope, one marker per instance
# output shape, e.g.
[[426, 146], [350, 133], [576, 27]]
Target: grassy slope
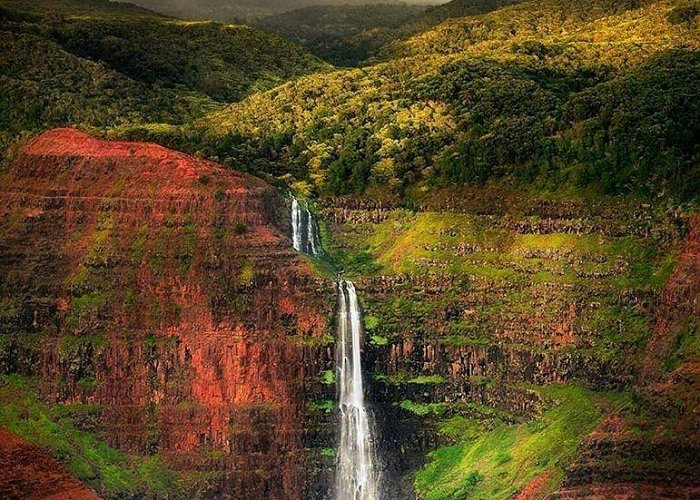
[[499, 462], [68, 432], [575, 265]]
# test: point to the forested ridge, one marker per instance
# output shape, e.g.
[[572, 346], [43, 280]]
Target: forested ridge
[[102, 64], [511, 184], [344, 35], [247, 10], [595, 94]]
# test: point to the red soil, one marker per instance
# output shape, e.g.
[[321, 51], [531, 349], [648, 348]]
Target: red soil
[[533, 489], [678, 300], [29, 473], [74, 160], [206, 353]]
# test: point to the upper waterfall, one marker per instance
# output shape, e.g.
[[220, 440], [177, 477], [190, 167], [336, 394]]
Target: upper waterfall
[[304, 229], [357, 477]]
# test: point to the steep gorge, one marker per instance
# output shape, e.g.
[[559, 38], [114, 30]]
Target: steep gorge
[[507, 335], [155, 301]]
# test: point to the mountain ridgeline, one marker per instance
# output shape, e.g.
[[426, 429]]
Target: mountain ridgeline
[[248, 10], [123, 64], [344, 35]]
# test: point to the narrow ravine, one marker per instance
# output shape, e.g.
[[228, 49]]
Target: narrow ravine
[[357, 475]]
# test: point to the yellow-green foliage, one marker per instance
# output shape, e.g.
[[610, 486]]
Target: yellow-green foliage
[[608, 31], [97, 251], [497, 463], [538, 90], [246, 275]]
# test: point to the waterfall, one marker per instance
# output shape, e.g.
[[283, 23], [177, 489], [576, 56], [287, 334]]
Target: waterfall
[[356, 474], [304, 229]]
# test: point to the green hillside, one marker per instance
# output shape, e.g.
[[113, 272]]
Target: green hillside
[[344, 35], [102, 64], [42, 85], [223, 62], [450, 10], [354, 35], [63, 8], [581, 25], [600, 98], [248, 10]]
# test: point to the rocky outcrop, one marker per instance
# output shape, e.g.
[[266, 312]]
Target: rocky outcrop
[[678, 302], [29, 473], [164, 289]]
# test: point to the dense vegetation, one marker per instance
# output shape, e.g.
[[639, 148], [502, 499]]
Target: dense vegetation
[[573, 102], [249, 10], [352, 35], [127, 65], [57, 8], [68, 432], [43, 85], [223, 62], [597, 96], [343, 35]]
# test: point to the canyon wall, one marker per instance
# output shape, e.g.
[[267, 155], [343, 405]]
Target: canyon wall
[[164, 290], [478, 301], [162, 294]]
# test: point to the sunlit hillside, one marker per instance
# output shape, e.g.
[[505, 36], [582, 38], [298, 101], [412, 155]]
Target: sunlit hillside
[[534, 93], [386, 253], [123, 64]]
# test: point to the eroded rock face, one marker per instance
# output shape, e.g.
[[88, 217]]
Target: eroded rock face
[[616, 460], [164, 289], [487, 296], [678, 302]]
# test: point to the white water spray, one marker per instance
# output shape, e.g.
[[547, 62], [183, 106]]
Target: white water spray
[[304, 230], [356, 475]]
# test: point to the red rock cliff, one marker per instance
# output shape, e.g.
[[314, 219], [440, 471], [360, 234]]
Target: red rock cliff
[[164, 289]]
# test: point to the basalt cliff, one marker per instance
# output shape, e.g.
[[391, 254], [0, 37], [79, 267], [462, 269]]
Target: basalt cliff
[[159, 296], [161, 336]]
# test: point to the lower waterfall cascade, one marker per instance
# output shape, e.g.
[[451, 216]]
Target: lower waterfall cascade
[[357, 477]]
